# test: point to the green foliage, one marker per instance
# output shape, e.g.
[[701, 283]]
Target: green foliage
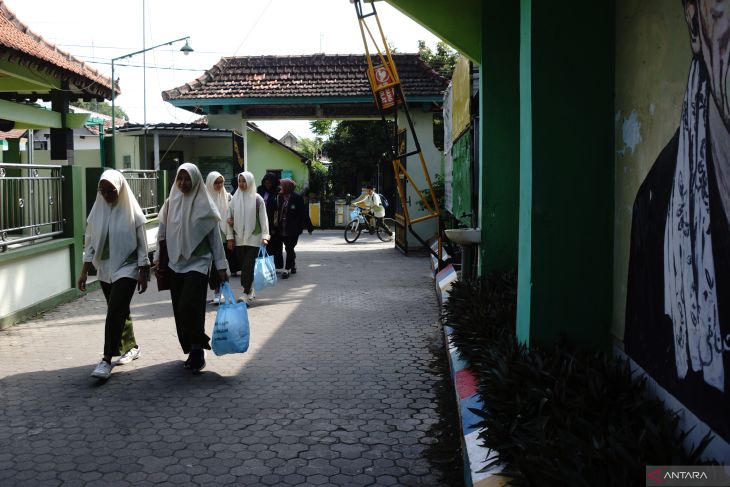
[[104, 108], [442, 61], [438, 184], [355, 148], [559, 416], [322, 128]]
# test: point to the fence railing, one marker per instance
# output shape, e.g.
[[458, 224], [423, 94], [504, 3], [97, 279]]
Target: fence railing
[[30, 203], [143, 184]]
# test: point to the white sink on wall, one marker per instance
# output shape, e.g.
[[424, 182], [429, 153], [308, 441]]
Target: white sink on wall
[[465, 236]]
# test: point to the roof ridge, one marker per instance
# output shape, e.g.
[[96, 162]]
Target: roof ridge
[[82, 68]]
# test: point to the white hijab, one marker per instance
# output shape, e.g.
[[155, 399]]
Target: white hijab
[[243, 206], [119, 221], [690, 295], [220, 198], [188, 217]]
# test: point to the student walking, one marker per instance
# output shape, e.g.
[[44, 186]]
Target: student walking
[[215, 184], [190, 232], [290, 222], [248, 230], [116, 244], [269, 190]]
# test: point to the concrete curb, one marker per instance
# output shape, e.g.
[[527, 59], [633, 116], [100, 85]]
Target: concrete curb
[[464, 380]]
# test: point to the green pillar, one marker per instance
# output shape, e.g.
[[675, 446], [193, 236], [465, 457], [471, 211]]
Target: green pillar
[[566, 164], [74, 216], [93, 174], [12, 155], [499, 153]]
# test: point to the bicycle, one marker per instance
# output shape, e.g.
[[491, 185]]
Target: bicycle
[[360, 222]]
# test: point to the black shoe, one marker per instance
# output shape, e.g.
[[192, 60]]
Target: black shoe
[[197, 360], [285, 275], [187, 362], [294, 270]]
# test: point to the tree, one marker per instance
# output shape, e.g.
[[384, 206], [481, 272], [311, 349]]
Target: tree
[[322, 128], [355, 148], [104, 108], [442, 61]]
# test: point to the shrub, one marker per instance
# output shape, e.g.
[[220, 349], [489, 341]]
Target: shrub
[[558, 415]]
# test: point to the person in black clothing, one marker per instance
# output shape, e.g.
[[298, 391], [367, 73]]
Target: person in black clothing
[[678, 290], [291, 218], [269, 190]]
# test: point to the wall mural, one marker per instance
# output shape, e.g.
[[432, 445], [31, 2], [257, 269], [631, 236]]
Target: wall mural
[[678, 290]]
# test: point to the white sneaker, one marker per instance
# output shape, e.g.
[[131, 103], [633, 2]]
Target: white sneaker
[[252, 296], [244, 298], [132, 354], [221, 299], [102, 371]]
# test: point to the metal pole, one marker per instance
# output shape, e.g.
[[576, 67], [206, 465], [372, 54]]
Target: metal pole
[[144, 88], [114, 123]]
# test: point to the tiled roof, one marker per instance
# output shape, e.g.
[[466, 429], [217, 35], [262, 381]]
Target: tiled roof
[[194, 127], [22, 46], [201, 125], [13, 134], [318, 75]]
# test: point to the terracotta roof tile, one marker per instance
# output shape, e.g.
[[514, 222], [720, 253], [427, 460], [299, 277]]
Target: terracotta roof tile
[[23, 46], [318, 75]]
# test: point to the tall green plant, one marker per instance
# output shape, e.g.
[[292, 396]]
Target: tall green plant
[[557, 415]]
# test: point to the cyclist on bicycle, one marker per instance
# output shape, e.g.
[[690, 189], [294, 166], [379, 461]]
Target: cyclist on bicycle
[[370, 202]]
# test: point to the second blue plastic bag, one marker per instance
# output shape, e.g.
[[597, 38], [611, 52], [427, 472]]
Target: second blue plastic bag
[[264, 271], [231, 332]]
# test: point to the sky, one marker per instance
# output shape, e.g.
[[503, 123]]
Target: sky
[[96, 33]]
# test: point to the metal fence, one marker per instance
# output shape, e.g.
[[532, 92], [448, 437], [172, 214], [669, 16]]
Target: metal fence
[[30, 203], [144, 187]]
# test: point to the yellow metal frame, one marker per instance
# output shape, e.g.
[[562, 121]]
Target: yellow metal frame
[[399, 170]]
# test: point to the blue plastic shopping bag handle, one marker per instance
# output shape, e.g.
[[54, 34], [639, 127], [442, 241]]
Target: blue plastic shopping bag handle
[[227, 293], [263, 252]]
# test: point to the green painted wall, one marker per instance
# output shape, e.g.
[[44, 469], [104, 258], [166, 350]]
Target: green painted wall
[[499, 107], [457, 22], [571, 79], [652, 62], [263, 155]]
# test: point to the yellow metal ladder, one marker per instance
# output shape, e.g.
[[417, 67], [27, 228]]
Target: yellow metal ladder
[[388, 94]]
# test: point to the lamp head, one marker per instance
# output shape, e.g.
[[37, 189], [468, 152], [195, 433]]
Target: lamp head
[[186, 49]]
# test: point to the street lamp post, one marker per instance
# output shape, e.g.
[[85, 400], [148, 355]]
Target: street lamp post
[[186, 49]]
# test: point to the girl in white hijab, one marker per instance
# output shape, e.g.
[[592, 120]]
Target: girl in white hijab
[[116, 244], [189, 226], [249, 230], [215, 184]]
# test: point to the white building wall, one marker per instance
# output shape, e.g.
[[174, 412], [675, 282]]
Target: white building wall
[[25, 282]]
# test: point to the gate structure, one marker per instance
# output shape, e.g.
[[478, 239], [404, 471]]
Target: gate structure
[[389, 98]]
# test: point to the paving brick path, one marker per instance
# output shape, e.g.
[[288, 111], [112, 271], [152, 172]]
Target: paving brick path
[[336, 388]]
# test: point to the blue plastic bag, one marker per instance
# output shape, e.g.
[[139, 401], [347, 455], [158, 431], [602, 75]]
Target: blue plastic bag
[[264, 271], [231, 331]]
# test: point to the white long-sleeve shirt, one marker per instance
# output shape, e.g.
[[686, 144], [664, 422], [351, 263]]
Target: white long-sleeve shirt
[[197, 263], [130, 267]]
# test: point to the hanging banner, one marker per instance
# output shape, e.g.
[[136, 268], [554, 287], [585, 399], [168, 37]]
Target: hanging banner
[[238, 150], [461, 92]]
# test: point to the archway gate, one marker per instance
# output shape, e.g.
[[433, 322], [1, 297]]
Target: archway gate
[[309, 87]]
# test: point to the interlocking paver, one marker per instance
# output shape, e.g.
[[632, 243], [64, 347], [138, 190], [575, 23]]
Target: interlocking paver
[[336, 388]]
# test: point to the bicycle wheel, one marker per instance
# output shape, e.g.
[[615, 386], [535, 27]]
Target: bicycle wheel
[[352, 231], [387, 235]]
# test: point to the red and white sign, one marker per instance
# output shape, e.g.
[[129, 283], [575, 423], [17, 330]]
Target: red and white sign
[[382, 77]]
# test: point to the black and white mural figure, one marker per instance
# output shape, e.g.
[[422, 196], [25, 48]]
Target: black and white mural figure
[[678, 302]]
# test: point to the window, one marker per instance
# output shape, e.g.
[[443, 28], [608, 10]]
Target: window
[[40, 145], [127, 160]]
